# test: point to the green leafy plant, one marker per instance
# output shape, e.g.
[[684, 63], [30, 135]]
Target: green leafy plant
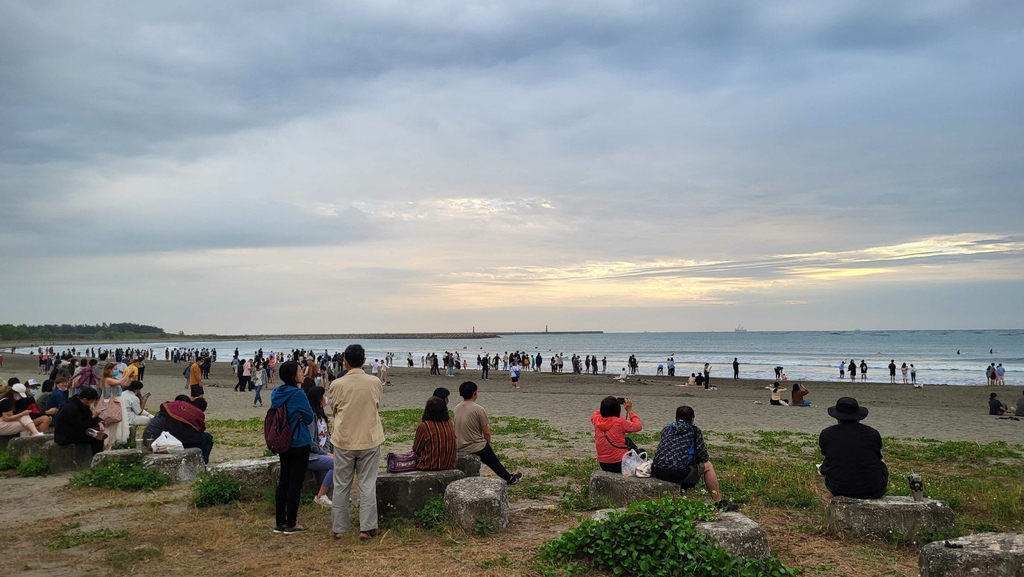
[[34, 466], [120, 475], [216, 489], [482, 527], [431, 516], [7, 461], [576, 499], [653, 538]]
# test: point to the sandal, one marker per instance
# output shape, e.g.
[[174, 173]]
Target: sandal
[[364, 535]]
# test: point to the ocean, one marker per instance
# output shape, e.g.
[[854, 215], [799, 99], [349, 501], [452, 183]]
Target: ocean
[[954, 357]]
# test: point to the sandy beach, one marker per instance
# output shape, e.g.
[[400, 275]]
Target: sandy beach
[[566, 400]]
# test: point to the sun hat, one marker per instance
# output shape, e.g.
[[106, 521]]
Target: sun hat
[[847, 409]]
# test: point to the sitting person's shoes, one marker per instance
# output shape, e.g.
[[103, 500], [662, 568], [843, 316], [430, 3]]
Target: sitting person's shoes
[[323, 500], [515, 478], [726, 506]]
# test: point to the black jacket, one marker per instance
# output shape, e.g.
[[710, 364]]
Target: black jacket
[[853, 465], [71, 422]]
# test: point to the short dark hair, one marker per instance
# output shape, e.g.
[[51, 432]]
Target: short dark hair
[[88, 394], [436, 410], [200, 403], [610, 407], [467, 390], [442, 393], [183, 398], [684, 413], [992, 395], [288, 371], [355, 356]]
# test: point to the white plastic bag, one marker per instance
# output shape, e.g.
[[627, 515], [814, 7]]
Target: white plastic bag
[[644, 469], [167, 443], [630, 461]]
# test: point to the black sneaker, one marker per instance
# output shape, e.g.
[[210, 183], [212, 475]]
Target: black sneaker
[[726, 506], [295, 529], [515, 478], [279, 529]]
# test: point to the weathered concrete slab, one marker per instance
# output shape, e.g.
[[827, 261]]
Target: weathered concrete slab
[[183, 467], [984, 554], [477, 503], [68, 458], [255, 475], [125, 456], [22, 448], [737, 534], [402, 494], [5, 439], [468, 463], [890, 518], [616, 490]]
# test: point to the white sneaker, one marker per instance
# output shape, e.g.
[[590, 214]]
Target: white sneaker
[[323, 500]]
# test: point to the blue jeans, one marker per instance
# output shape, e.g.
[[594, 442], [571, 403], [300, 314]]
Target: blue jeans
[[323, 464], [258, 398]]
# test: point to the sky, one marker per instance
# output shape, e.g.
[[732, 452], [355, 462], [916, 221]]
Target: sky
[[432, 166]]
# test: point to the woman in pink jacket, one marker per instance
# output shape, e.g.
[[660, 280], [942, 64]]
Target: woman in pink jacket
[[610, 429]]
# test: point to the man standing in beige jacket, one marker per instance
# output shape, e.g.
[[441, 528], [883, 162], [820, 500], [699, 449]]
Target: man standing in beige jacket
[[357, 437]]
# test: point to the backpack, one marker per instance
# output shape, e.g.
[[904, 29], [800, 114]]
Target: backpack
[[276, 430], [188, 371]]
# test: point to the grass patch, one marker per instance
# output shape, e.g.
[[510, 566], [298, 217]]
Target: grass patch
[[7, 461], [651, 538], [34, 466], [123, 476], [73, 538], [216, 489], [431, 516]]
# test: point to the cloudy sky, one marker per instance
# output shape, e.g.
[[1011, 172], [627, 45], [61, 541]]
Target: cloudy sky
[[385, 166]]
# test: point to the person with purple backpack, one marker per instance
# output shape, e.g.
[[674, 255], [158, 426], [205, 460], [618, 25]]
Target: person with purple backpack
[[295, 459]]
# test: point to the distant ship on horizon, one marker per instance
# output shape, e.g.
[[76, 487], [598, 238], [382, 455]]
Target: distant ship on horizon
[[739, 329]]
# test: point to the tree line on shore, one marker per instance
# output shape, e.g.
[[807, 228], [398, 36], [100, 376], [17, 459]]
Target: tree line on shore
[[105, 331]]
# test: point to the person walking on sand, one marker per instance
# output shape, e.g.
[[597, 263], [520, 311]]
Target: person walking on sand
[[863, 370], [892, 371], [853, 370], [707, 375], [735, 367], [842, 370], [514, 373], [913, 376]]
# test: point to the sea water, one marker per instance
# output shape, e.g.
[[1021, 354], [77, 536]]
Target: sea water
[[955, 357]]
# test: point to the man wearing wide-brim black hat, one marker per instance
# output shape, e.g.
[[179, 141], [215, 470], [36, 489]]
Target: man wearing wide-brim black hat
[[853, 465]]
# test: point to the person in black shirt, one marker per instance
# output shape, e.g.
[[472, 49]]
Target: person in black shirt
[[75, 418], [853, 465]]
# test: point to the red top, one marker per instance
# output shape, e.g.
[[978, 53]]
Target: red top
[[435, 446], [613, 429]]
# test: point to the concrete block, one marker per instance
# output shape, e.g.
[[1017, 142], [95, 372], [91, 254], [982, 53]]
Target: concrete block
[[5, 439], [737, 534], [617, 490], [67, 458], [254, 475], [469, 464], [402, 494], [889, 518], [125, 456], [984, 554], [22, 448], [475, 503], [182, 467]]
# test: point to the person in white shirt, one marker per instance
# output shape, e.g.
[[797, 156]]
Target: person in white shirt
[[135, 405]]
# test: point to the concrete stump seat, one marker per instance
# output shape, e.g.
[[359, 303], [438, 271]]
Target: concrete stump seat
[[255, 475], [125, 456], [59, 459], [22, 448], [987, 554], [734, 532], [737, 534], [468, 463], [182, 467], [477, 503], [890, 518], [402, 494], [617, 490], [5, 439]]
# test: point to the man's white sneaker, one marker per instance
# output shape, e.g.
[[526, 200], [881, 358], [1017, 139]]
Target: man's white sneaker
[[323, 500]]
